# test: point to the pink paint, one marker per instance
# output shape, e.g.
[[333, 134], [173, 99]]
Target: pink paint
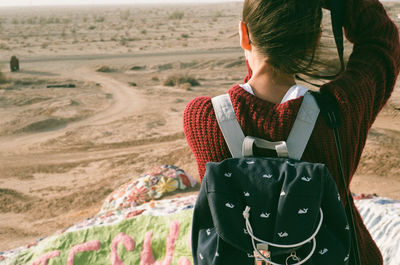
[[172, 237], [128, 242], [184, 261], [147, 258], [88, 246], [45, 258]]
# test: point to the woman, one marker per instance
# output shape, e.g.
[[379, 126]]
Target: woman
[[279, 39]]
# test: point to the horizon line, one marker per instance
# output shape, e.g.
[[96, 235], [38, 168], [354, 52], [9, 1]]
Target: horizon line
[[93, 3]]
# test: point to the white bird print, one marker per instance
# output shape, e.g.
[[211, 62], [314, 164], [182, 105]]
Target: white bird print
[[245, 231], [323, 251], [303, 211], [250, 162], [250, 256], [208, 232], [283, 193], [347, 227], [230, 205], [283, 234], [265, 215], [338, 197], [246, 194], [306, 179], [217, 254], [347, 258], [267, 176], [201, 256], [228, 174], [290, 164]]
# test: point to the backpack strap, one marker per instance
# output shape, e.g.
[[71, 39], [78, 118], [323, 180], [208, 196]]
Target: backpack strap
[[240, 146], [228, 124], [330, 111], [303, 127]]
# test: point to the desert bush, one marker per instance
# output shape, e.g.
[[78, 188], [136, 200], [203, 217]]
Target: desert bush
[[138, 68], [188, 79], [100, 19], [185, 35], [178, 80], [105, 69], [176, 15], [170, 81]]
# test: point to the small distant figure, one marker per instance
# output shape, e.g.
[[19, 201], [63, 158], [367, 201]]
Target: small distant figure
[[14, 64]]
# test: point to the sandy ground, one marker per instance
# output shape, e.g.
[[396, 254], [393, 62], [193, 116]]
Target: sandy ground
[[63, 150]]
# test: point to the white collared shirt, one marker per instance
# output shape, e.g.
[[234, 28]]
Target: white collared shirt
[[293, 92]]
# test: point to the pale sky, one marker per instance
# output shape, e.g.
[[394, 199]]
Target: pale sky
[[97, 2]]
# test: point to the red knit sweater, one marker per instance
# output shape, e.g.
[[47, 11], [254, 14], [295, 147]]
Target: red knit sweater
[[362, 90]]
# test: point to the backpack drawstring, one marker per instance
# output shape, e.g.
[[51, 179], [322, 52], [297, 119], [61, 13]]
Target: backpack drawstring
[[246, 215]]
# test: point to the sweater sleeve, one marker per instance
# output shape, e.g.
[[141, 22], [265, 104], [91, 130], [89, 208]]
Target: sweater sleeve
[[368, 81], [203, 134]]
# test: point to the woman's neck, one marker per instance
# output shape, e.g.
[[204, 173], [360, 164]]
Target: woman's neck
[[268, 84]]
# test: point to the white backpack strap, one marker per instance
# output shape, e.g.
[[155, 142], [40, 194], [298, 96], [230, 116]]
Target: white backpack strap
[[228, 124], [303, 127], [235, 139], [250, 141]]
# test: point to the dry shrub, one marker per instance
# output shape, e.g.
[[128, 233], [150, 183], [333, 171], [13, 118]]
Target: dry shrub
[[181, 80], [105, 69], [138, 68], [176, 15], [186, 86]]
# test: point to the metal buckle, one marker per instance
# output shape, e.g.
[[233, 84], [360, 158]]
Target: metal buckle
[[263, 249], [292, 256]]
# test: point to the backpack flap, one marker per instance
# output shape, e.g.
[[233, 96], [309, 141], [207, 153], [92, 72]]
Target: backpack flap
[[275, 193]]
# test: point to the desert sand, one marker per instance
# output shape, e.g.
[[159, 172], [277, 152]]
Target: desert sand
[[64, 149]]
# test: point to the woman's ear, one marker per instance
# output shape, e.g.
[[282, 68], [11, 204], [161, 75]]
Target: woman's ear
[[244, 36]]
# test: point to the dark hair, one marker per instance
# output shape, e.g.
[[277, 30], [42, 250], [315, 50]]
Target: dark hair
[[285, 31]]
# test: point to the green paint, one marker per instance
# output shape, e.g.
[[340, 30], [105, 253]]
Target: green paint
[[135, 227]]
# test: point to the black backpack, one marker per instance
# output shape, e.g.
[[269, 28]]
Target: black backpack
[[261, 210]]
